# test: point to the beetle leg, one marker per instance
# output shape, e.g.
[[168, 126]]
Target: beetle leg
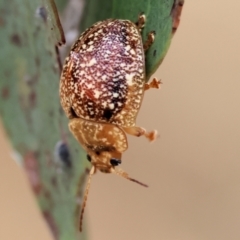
[[153, 84], [141, 22], [149, 41], [139, 131], [140, 25]]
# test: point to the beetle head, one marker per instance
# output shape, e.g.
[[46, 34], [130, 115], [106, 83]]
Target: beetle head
[[104, 160]]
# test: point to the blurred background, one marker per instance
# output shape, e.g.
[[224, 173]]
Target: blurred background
[[193, 169]]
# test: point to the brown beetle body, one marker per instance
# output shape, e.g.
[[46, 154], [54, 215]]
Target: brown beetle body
[[101, 90], [104, 75]]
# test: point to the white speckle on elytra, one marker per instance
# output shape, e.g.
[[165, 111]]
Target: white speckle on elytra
[[111, 106], [127, 48], [92, 62], [82, 73], [129, 78], [104, 104], [132, 52], [97, 93], [90, 48], [115, 95]]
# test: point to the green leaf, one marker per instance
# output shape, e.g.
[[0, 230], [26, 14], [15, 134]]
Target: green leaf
[[31, 112]]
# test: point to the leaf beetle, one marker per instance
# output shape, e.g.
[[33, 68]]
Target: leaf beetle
[[101, 90]]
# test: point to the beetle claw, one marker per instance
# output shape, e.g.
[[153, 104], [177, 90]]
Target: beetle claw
[[155, 83]]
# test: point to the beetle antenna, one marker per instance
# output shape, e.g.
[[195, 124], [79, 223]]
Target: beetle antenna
[[121, 173], [85, 196]]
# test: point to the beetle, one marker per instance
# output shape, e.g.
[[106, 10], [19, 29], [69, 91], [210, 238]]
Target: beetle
[[101, 90]]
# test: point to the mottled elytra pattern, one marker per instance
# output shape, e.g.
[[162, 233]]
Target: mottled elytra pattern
[[102, 141], [103, 76]]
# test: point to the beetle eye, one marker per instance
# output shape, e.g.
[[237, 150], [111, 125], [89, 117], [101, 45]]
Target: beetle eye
[[115, 161], [89, 158]]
